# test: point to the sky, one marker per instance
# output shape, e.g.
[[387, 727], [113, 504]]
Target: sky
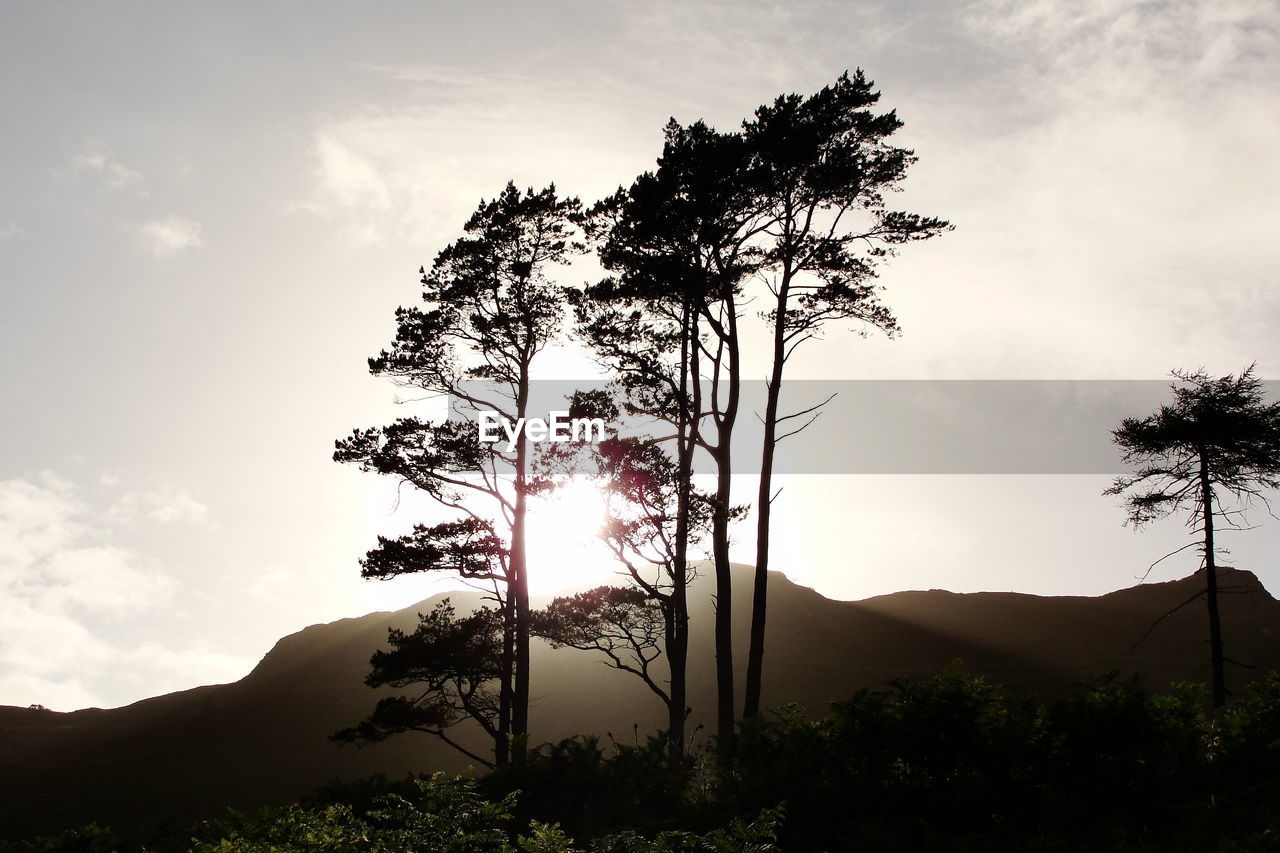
[[209, 212]]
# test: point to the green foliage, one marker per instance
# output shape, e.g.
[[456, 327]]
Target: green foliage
[[954, 763], [1132, 759], [445, 815], [589, 793], [742, 836], [1250, 734], [931, 756], [1247, 764]]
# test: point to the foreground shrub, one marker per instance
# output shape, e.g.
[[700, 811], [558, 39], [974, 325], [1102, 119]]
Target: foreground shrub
[[445, 815], [591, 790]]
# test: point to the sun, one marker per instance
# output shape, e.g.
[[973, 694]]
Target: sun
[[564, 547]]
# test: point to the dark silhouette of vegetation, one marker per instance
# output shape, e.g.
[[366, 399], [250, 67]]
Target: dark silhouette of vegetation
[[950, 763], [622, 623], [488, 311], [439, 814], [946, 763], [1217, 437], [454, 664]]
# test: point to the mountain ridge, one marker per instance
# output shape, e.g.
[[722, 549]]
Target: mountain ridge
[[262, 739]]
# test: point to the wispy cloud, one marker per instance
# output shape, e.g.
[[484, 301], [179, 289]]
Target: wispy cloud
[[415, 169], [1112, 174], [1117, 49], [171, 235], [350, 184], [98, 165], [8, 230], [165, 506]]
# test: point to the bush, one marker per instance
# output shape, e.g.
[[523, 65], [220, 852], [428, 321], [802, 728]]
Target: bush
[[445, 815], [588, 793]]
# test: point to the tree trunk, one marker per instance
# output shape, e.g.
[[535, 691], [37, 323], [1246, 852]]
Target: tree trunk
[[760, 589], [723, 605], [519, 587], [725, 716], [502, 741], [764, 509], [1211, 574], [678, 607], [677, 662]]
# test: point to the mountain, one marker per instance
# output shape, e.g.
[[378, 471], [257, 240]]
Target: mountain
[[174, 759]]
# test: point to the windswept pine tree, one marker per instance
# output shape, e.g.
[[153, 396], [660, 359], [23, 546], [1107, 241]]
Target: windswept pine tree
[[1217, 440], [488, 310], [666, 323], [819, 169], [454, 667]]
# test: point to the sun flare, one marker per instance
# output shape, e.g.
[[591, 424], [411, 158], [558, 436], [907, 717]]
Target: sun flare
[[565, 550]]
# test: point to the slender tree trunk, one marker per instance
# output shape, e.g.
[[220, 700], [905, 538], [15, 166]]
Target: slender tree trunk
[[502, 741], [678, 615], [677, 662], [1211, 573], [764, 507], [519, 590], [725, 715], [724, 603]]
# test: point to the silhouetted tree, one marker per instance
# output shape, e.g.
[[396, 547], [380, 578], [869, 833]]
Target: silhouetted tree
[[677, 243], [455, 665], [797, 200], [819, 169], [622, 623], [1218, 436], [488, 311]]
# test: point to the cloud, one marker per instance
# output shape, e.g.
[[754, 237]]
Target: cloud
[[98, 165], [171, 235], [9, 230], [1110, 177], [166, 506], [76, 607], [414, 169], [349, 182]]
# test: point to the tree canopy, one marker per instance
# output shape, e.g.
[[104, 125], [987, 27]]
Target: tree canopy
[[1218, 437]]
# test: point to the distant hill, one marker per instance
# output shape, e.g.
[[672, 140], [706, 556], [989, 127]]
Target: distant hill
[[262, 740]]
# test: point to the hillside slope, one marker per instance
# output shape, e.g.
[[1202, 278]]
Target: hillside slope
[[184, 756]]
